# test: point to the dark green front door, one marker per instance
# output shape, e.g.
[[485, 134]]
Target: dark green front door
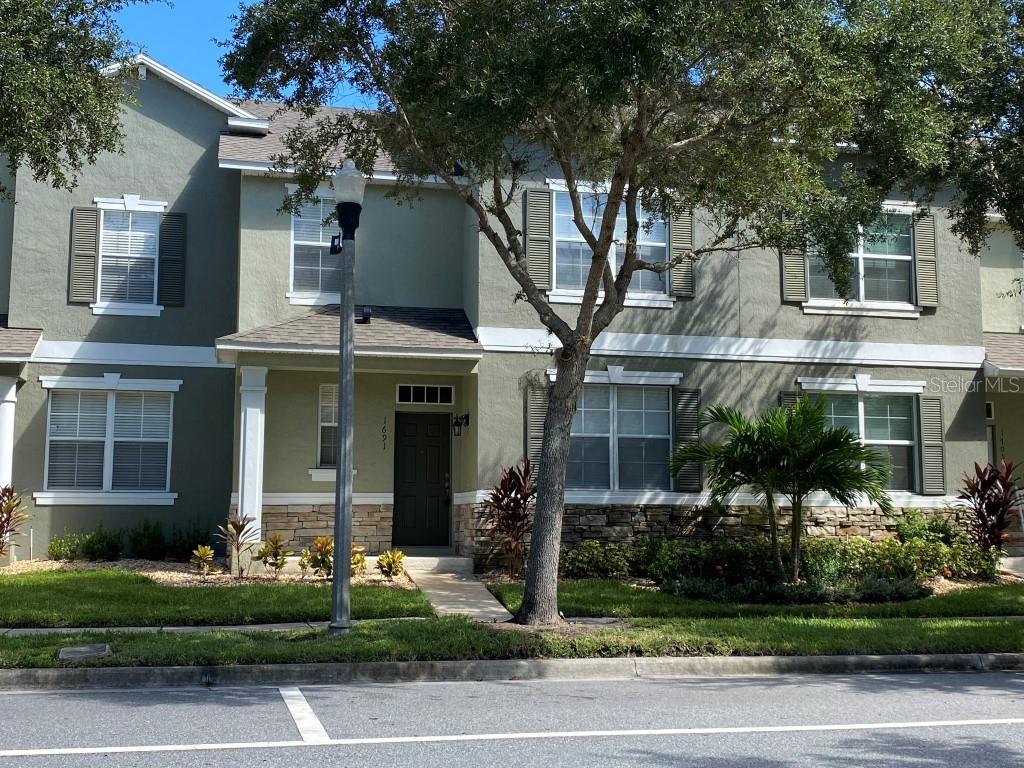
[[422, 480]]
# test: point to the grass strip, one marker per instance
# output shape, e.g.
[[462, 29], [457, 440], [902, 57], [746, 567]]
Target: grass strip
[[609, 598], [457, 638], [111, 598]]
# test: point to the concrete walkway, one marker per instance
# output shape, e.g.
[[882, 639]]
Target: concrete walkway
[[449, 585]]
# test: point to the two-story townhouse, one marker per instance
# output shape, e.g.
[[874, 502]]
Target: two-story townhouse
[[114, 406], [147, 389]]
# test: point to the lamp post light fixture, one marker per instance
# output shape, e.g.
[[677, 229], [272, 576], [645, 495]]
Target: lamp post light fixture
[[349, 186]]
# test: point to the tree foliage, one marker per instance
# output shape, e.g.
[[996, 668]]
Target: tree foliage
[[778, 121], [63, 68]]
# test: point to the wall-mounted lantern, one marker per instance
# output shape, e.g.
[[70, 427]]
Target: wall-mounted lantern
[[458, 422]]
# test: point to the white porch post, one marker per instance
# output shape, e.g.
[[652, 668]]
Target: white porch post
[[250, 444], [8, 398]]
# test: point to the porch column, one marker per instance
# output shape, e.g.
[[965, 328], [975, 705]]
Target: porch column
[[8, 398], [250, 444]]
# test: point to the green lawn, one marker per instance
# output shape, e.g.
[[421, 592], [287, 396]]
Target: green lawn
[[458, 639], [598, 597], [111, 598]]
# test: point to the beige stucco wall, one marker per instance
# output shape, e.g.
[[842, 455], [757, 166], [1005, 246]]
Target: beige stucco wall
[[407, 254], [751, 387], [1007, 397], [291, 430], [1001, 265]]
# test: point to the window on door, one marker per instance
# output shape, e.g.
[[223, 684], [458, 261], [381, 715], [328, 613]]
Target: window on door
[[620, 438]]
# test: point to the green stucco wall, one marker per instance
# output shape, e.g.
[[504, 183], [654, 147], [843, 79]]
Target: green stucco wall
[[6, 233], [751, 387], [1001, 265], [200, 452], [406, 255], [170, 154]]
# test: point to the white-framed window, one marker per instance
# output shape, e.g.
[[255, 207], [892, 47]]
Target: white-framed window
[[887, 421], [129, 254], [425, 394], [883, 264], [573, 255], [114, 441], [314, 271], [621, 437], [327, 426]]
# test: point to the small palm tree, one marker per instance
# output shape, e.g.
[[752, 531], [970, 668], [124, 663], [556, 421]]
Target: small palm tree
[[741, 460], [792, 451]]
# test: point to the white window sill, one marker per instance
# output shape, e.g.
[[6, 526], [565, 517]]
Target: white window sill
[[300, 299], [126, 309], [655, 300], [104, 498], [325, 474], [860, 308]]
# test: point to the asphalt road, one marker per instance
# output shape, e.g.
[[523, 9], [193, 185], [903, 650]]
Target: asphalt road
[[869, 721]]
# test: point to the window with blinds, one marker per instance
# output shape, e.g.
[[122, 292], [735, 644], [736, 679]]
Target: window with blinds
[[108, 441], [327, 434], [314, 269], [129, 249]]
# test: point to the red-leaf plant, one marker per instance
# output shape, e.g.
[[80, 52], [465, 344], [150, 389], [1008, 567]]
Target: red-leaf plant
[[991, 496], [509, 510], [11, 517]]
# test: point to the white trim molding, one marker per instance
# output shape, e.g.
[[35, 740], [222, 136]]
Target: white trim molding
[[126, 309], [103, 498], [130, 203], [284, 499], [862, 382], [110, 382], [649, 300], [8, 403], [104, 353], [740, 349], [616, 374], [312, 349], [304, 299], [892, 309]]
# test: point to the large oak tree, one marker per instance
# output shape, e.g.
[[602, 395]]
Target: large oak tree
[[778, 121]]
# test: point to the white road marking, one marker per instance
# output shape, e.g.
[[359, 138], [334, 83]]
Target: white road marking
[[310, 728], [528, 736]]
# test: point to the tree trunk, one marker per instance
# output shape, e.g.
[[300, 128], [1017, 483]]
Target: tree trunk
[[794, 539], [773, 533], [540, 599]]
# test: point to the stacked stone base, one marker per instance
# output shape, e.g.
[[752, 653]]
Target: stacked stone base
[[625, 523], [300, 524]]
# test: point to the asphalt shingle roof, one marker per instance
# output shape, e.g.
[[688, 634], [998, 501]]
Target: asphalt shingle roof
[[261, 149], [17, 343], [390, 327], [1005, 350]]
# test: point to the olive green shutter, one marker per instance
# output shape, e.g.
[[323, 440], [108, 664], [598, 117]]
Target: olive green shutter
[[538, 236], [933, 452], [687, 416], [794, 276], [681, 280], [85, 254], [788, 398], [171, 280], [536, 415], [925, 263]]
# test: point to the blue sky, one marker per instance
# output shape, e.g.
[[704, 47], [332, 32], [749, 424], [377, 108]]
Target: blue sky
[[181, 37]]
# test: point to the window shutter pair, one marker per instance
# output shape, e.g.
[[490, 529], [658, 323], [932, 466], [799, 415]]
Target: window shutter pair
[[539, 205], [85, 255], [687, 418]]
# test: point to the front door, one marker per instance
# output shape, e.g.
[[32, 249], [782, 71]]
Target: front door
[[422, 480]]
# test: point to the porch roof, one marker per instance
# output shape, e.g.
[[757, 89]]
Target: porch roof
[[1004, 354], [391, 332], [17, 344]]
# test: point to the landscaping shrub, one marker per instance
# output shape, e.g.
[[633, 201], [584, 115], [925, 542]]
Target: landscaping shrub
[[182, 541], [594, 560], [273, 554], [357, 563], [508, 510], [65, 547], [202, 560], [101, 544], [11, 517], [990, 494], [239, 535], [390, 563], [146, 541], [321, 556], [916, 525]]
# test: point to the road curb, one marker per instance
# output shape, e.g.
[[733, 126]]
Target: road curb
[[504, 669]]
